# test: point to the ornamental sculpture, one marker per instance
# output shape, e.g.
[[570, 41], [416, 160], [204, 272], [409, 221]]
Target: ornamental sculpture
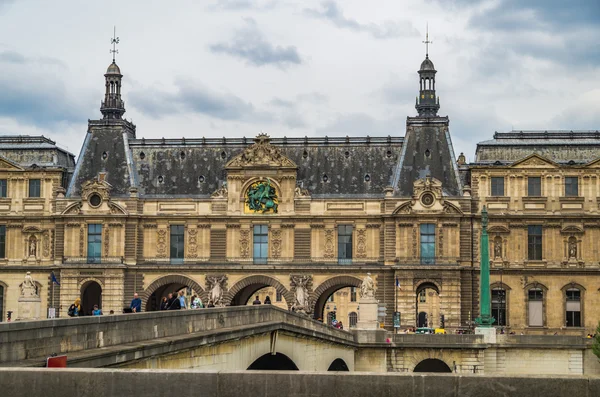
[[29, 288], [367, 288], [300, 285], [262, 197], [216, 286]]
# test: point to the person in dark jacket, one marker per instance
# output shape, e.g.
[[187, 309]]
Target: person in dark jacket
[[136, 304], [267, 300], [256, 301], [174, 303], [164, 303]]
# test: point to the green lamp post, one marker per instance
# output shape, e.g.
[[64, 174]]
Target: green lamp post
[[485, 318]]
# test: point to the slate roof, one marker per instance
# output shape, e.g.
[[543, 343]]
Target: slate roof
[[27, 150], [327, 166], [563, 147]]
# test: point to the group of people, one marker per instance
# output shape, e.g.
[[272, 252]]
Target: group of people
[[177, 301], [75, 310], [258, 302]]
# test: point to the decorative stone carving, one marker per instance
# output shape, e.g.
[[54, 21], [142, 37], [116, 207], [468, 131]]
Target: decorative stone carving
[[98, 186], [414, 241], [301, 192], [192, 243], [32, 246], [106, 241], [367, 288], [261, 153], [244, 243], [46, 244], [441, 241], [216, 285], [300, 288], [262, 197], [361, 243], [221, 192], [572, 248], [498, 247], [161, 243], [329, 236], [81, 239], [28, 287], [427, 184], [276, 243], [73, 209]]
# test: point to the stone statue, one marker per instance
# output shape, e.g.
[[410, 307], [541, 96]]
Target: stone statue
[[301, 192], [32, 246], [220, 192], [572, 248], [29, 288], [497, 248], [367, 288], [301, 304], [216, 285]]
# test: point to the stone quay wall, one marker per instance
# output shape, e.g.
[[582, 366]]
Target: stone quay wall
[[28, 382]]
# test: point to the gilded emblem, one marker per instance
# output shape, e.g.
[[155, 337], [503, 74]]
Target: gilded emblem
[[262, 197]]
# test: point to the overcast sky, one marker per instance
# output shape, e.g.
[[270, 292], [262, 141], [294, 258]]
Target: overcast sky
[[237, 67]]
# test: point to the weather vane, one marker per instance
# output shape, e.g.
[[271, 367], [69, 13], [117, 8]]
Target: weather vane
[[426, 42], [114, 41]]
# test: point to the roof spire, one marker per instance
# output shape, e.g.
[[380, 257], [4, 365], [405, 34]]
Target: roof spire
[[114, 41], [426, 42]]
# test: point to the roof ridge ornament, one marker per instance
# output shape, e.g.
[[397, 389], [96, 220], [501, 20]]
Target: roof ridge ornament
[[114, 41], [261, 153], [427, 42]]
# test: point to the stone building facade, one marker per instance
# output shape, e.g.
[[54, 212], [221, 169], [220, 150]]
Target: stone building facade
[[238, 215]]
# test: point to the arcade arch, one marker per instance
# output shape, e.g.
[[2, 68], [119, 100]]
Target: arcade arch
[[432, 365], [161, 287], [428, 305], [91, 294], [321, 295], [243, 290]]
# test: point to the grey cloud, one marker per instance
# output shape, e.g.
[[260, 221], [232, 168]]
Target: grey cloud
[[364, 124], [237, 5], [250, 45], [281, 103], [35, 95], [399, 90], [196, 98], [388, 29]]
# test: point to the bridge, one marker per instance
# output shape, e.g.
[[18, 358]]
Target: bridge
[[266, 337]]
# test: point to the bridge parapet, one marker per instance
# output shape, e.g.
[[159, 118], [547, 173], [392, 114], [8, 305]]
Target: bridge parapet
[[37, 339]]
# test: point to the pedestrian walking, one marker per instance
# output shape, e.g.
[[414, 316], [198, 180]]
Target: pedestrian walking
[[164, 304], [182, 300]]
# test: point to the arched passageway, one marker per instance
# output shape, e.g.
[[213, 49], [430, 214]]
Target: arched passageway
[[161, 287], [155, 299], [428, 305], [432, 365], [268, 294], [338, 365], [246, 289], [91, 294], [325, 300], [273, 362]]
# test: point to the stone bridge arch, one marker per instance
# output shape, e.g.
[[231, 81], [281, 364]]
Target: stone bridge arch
[[319, 296], [420, 355], [241, 291], [178, 279]]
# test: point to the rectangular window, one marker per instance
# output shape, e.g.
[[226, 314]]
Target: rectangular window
[[3, 188], [534, 242], [34, 188], [352, 294], [573, 308], [345, 244], [94, 251], [571, 186], [536, 307], [261, 243], [534, 186], [177, 243], [497, 186], [423, 296], [499, 306], [428, 243], [278, 297], [2, 245]]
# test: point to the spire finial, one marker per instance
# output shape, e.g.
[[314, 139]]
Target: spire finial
[[114, 41], [427, 42]]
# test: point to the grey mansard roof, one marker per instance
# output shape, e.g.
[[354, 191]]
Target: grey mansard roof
[[559, 146], [27, 150], [352, 167]]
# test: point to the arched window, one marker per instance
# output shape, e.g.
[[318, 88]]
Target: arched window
[[573, 307], [499, 306], [353, 319], [535, 301]]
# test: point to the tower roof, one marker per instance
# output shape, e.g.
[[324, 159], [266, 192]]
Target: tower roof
[[427, 64], [113, 69]]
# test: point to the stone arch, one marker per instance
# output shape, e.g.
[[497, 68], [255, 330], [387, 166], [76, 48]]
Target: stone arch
[[427, 354], [432, 365], [273, 362], [338, 365], [90, 295], [428, 283], [244, 286], [172, 279], [327, 287]]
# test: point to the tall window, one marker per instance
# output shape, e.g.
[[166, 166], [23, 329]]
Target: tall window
[[353, 319], [427, 243], [261, 243], [573, 308], [497, 186], [278, 297], [536, 307], [534, 242], [177, 243], [423, 296], [499, 306], [344, 244], [2, 241], [571, 186], [352, 294], [1, 303], [534, 186], [94, 251], [34, 188], [3, 188]]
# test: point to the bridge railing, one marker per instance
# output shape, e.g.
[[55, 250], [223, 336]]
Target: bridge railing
[[39, 339]]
